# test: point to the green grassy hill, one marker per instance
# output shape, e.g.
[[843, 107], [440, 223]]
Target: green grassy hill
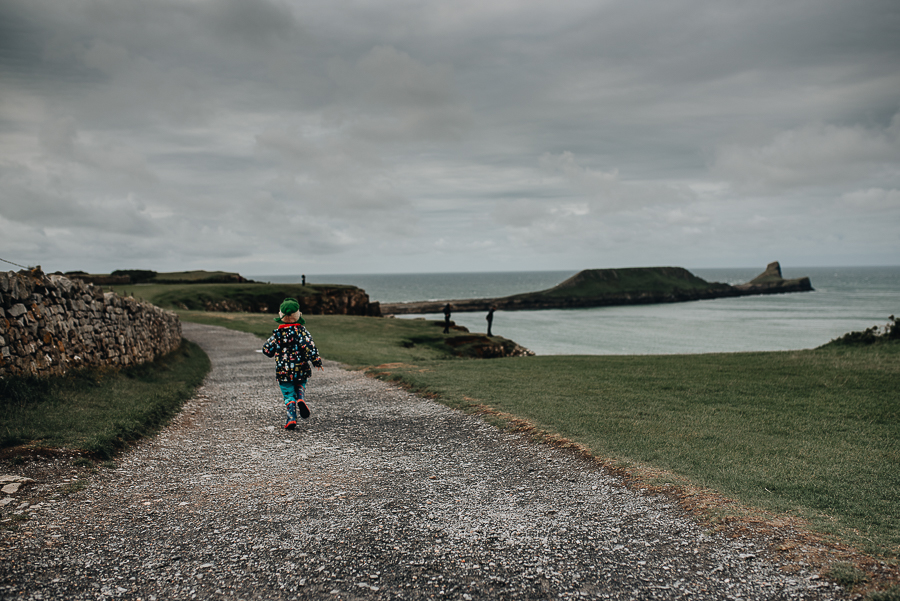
[[594, 283]]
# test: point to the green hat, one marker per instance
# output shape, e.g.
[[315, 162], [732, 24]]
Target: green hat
[[290, 307]]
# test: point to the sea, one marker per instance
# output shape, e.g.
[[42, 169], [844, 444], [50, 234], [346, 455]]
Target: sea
[[844, 299]]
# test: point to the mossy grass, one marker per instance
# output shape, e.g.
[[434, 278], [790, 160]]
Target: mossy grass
[[99, 411], [813, 434], [889, 594], [845, 574]]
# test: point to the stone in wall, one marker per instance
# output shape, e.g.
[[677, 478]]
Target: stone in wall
[[50, 324]]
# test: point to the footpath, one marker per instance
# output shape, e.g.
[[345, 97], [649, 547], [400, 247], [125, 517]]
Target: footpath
[[381, 494]]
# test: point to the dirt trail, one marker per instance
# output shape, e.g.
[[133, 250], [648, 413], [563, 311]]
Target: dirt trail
[[379, 495]]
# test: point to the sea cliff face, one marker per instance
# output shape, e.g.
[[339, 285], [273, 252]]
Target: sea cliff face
[[608, 287], [771, 282], [338, 301]]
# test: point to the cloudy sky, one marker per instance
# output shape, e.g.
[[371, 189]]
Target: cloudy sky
[[364, 136]]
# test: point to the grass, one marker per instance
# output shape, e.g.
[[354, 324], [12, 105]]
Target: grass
[[195, 296], [814, 434], [846, 574], [193, 276], [99, 411], [889, 594], [353, 340], [596, 283]]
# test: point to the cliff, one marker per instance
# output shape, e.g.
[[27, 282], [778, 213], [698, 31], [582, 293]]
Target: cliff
[[315, 299], [607, 287], [127, 277], [771, 282]]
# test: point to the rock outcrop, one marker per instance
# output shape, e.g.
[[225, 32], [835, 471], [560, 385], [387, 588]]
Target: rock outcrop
[[463, 343], [481, 346], [339, 300], [771, 282]]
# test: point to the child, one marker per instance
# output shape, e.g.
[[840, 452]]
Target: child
[[293, 349]]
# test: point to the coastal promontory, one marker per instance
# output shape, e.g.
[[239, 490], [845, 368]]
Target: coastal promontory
[[607, 287]]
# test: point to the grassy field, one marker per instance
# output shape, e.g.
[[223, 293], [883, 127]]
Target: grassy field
[[814, 434], [99, 411], [355, 341], [194, 296]]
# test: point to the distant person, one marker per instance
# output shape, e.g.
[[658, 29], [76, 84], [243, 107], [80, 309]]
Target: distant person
[[490, 319], [447, 318], [303, 279], [293, 349]]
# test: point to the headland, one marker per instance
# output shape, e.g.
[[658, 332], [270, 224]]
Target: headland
[[608, 287]]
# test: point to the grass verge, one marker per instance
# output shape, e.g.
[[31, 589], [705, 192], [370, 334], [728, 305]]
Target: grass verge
[[356, 341], [99, 411], [813, 434]]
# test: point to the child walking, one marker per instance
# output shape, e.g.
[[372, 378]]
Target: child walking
[[293, 349]]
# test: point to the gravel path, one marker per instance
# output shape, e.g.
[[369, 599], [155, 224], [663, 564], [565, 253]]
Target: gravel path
[[379, 495]]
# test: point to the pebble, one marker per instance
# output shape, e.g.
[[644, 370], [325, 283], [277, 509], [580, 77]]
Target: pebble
[[381, 494]]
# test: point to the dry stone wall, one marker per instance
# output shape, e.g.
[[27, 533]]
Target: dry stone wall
[[50, 324]]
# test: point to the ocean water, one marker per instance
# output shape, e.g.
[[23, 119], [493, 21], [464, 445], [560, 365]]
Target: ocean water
[[845, 299]]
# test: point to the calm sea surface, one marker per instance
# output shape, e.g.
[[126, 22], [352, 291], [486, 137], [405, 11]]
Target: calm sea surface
[[845, 299]]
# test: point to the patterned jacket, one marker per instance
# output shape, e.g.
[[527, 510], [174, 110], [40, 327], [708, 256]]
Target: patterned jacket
[[293, 349]]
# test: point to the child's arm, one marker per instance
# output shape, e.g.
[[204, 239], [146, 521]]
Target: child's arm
[[270, 348], [314, 357], [312, 353]]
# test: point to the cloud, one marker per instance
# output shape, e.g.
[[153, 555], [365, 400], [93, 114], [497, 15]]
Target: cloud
[[335, 176], [874, 200], [530, 135], [254, 22], [105, 156], [386, 96], [606, 192], [38, 201], [813, 155]]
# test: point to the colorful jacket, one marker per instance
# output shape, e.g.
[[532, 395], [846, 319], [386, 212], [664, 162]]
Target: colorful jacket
[[293, 349]]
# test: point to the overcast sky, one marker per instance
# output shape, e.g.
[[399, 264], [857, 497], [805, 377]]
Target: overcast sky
[[286, 136]]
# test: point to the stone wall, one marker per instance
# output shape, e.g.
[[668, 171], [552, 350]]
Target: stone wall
[[50, 324]]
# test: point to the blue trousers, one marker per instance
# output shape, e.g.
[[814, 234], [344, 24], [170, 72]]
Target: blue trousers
[[292, 392]]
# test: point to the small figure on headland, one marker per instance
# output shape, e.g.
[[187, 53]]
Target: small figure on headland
[[490, 319], [303, 280], [447, 318], [293, 349]]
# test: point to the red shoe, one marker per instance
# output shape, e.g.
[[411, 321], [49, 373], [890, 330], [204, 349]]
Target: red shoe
[[302, 409], [290, 425]]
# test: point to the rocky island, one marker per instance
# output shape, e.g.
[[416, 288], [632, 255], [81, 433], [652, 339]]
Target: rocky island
[[606, 287]]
